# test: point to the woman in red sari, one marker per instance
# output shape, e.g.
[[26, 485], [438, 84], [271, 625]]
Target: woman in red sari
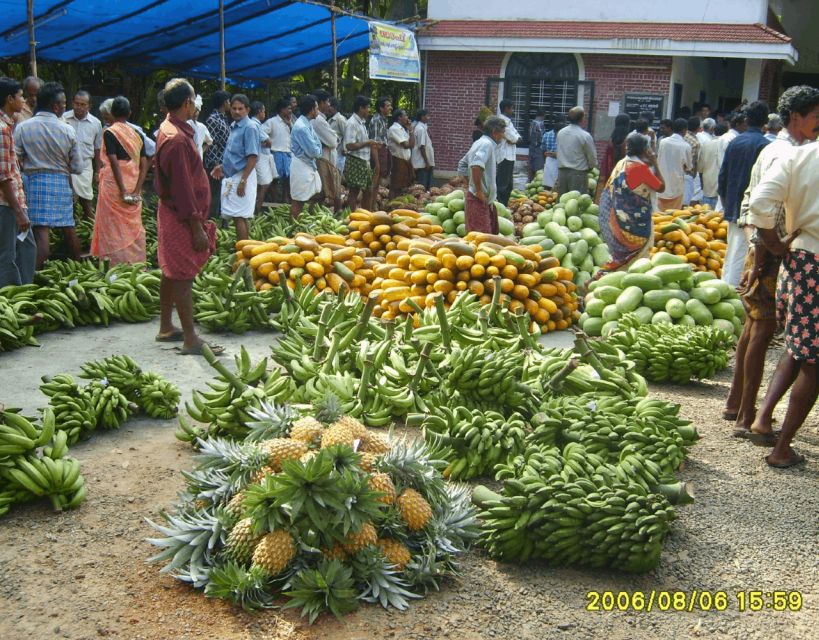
[[118, 232]]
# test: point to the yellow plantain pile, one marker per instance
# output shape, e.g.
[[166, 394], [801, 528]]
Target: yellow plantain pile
[[405, 264], [695, 233]]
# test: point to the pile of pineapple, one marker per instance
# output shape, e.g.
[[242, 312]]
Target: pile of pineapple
[[322, 516]]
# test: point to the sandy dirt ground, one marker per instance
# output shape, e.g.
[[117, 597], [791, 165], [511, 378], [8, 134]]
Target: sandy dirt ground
[[83, 574]]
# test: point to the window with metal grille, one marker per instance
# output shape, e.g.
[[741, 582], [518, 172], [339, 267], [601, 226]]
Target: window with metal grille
[[535, 81]]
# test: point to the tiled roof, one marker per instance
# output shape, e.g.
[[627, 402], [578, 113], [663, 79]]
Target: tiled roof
[[690, 32]]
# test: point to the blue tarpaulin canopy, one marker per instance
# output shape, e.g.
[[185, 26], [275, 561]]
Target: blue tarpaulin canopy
[[264, 39]]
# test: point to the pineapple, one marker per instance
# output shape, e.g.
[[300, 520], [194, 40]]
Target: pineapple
[[260, 475], [306, 430], [308, 456], [374, 443], [234, 507], [241, 541], [382, 483], [328, 408], [337, 434], [364, 537], [415, 510], [281, 449], [367, 462], [395, 552], [274, 552], [358, 430], [336, 552]]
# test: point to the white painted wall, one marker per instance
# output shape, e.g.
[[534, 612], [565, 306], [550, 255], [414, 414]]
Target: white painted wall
[[719, 11]]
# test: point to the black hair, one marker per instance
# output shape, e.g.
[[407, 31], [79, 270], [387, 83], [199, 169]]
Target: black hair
[[335, 103], [256, 107], [240, 97], [82, 93], [622, 125], [219, 99], [641, 126], [176, 92], [359, 102], [289, 97], [680, 126], [636, 145], [48, 95], [667, 122], [736, 118], [321, 95], [382, 100], [721, 129], [120, 107], [505, 104], [694, 123], [540, 112], [801, 99], [307, 103], [420, 113], [704, 105], [397, 114], [160, 98], [8, 87], [282, 104], [684, 112], [648, 116], [757, 113]]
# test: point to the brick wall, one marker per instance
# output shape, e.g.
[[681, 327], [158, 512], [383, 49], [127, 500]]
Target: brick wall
[[612, 79], [770, 82], [455, 90]]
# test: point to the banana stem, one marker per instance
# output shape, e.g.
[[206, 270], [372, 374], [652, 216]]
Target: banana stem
[[335, 343], [321, 331], [677, 493], [366, 374], [408, 327], [416, 307], [523, 330], [483, 496], [228, 375], [583, 348], [443, 321], [555, 383], [496, 294], [483, 321], [366, 314], [688, 432], [389, 328], [288, 296], [419, 368], [415, 419]]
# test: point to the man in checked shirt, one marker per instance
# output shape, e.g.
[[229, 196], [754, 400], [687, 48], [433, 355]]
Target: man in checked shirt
[[798, 108]]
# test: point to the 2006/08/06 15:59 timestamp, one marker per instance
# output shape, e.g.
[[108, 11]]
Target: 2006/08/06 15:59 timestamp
[[694, 600]]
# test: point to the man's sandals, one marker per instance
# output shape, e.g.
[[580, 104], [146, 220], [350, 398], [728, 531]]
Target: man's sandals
[[197, 350], [793, 461]]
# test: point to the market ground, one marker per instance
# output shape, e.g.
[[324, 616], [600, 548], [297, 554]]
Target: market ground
[[83, 574]]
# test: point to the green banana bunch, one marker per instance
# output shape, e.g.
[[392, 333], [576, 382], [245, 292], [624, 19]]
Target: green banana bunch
[[17, 324], [75, 415], [119, 371], [19, 435], [158, 397], [494, 376], [111, 407], [134, 292], [672, 352], [475, 440]]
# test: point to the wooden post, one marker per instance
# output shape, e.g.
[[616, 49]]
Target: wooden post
[[32, 43], [222, 70], [335, 48]]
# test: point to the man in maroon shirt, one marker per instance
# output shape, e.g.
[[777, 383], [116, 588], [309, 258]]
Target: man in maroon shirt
[[186, 238]]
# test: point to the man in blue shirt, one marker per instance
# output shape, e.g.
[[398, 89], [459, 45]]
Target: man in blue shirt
[[305, 182], [734, 175]]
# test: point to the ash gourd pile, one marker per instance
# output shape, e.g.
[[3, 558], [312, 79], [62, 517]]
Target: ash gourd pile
[[295, 494]]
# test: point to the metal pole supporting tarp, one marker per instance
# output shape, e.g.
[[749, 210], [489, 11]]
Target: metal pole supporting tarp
[[335, 47], [222, 72], [32, 43]]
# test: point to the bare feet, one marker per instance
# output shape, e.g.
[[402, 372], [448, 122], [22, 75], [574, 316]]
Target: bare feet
[[791, 460]]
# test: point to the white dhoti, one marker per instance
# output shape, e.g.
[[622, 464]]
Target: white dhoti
[[234, 205], [83, 183], [550, 172], [340, 159], [266, 169], [735, 254], [698, 195], [305, 181]]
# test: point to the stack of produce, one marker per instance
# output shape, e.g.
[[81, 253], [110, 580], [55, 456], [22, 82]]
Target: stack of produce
[[34, 463], [696, 233], [73, 293], [447, 211], [672, 353], [662, 289], [324, 514], [593, 177], [380, 232], [118, 387], [225, 302], [524, 211], [570, 231]]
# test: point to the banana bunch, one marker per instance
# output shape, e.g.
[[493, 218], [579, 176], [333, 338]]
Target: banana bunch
[[73, 411], [158, 398], [26, 475], [17, 326], [475, 440], [586, 512], [490, 376], [120, 371], [673, 352], [50, 308], [134, 292], [111, 407], [225, 302]]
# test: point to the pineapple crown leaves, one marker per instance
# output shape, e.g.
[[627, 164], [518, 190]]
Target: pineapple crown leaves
[[330, 587], [328, 408], [412, 463], [270, 421], [381, 582], [237, 459], [247, 588], [454, 522], [209, 484], [343, 458], [191, 538], [426, 569], [261, 505]]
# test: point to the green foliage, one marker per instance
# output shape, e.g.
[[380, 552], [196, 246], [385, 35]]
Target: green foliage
[[330, 586]]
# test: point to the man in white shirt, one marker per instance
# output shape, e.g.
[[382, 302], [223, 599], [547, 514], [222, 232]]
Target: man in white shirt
[[89, 137], [423, 155], [481, 166], [576, 154], [674, 159], [358, 174], [507, 152], [326, 164], [339, 124], [265, 166], [400, 141], [708, 165], [277, 129]]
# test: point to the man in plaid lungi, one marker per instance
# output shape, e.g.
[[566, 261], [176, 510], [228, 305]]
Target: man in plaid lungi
[[49, 154]]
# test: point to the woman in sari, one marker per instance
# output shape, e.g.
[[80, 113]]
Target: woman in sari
[[625, 204], [118, 232]]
